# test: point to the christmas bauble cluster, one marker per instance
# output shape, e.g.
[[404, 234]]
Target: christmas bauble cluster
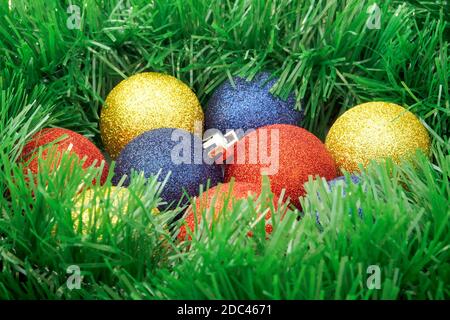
[[143, 127], [153, 124]]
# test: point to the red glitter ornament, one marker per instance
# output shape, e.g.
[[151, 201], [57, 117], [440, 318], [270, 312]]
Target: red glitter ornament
[[287, 154], [220, 195], [66, 140]]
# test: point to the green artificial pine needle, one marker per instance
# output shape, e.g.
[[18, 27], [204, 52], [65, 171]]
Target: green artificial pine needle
[[55, 76]]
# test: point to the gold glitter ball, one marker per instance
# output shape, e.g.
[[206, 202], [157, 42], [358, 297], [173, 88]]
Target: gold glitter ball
[[90, 203], [375, 131], [144, 102]]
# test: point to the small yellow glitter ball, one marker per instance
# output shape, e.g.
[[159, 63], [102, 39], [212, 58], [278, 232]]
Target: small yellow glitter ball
[[90, 203], [375, 131], [144, 102]]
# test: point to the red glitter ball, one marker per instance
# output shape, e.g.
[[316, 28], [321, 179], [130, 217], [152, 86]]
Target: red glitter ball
[[221, 194], [77, 144], [300, 154]]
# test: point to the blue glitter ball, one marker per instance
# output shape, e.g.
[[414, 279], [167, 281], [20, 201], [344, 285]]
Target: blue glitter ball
[[343, 181], [249, 105], [169, 150], [340, 181]]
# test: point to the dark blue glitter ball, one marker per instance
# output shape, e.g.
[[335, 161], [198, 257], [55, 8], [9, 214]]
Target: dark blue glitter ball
[[342, 180], [354, 179], [249, 105], [169, 150]]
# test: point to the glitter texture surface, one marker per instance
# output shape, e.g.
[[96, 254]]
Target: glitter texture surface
[[249, 105], [154, 150], [90, 203], [219, 196], [143, 102], [342, 181], [343, 184], [375, 131], [301, 154], [77, 143]]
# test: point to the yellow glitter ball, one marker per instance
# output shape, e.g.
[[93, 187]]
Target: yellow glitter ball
[[375, 131], [90, 203], [144, 102]]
